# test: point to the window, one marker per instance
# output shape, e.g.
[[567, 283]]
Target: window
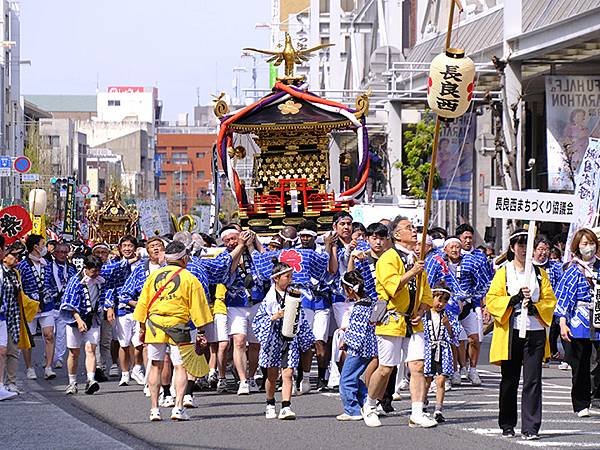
[[180, 177], [180, 158], [201, 174], [114, 103], [200, 154]]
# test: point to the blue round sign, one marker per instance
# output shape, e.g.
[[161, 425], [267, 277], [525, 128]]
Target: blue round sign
[[22, 164]]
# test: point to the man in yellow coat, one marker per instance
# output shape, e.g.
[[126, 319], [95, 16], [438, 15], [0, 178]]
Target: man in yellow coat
[[170, 298], [400, 337]]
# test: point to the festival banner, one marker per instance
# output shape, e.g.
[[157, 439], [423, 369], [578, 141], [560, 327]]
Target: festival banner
[[587, 190], [69, 231], [455, 159], [154, 217], [15, 223], [572, 117]]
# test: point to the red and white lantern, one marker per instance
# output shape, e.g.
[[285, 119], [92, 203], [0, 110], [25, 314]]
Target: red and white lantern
[[451, 82]]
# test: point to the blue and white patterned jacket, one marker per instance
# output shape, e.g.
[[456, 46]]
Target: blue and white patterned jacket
[[29, 281], [64, 272], [74, 299], [359, 337], [575, 297]]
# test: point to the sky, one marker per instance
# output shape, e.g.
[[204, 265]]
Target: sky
[[177, 45]]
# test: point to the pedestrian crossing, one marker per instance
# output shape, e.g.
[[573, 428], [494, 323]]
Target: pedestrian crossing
[[475, 410]]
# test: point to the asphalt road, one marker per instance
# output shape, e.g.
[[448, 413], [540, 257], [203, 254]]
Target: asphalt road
[[117, 417]]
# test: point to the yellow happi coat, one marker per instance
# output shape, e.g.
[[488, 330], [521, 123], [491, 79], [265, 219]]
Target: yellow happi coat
[[496, 302]]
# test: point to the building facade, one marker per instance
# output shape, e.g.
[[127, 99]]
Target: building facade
[[185, 155]]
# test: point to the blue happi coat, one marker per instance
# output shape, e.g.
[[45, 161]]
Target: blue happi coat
[[275, 351], [439, 347], [359, 337], [75, 299], [35, 285], [63, 272]]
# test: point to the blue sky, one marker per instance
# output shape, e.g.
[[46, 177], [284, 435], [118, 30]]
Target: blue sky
[[177, 45]]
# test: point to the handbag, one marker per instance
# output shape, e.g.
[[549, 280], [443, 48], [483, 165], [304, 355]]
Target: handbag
[[379, 312]]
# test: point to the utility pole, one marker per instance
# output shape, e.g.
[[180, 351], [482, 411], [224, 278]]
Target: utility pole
[[180, 193]]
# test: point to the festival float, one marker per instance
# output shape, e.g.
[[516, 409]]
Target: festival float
[[291, 128], [112, 220]]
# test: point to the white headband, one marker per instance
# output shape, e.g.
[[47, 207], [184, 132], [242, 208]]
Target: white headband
[[308, 233], [520, 233], [451, 240], [446, 291], [228, 231], [286, 239], [351, 286], [281, 272], [176, 256], [97, 246]]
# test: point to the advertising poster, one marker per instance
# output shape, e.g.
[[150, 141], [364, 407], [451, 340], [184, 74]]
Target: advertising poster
[[572, 117]]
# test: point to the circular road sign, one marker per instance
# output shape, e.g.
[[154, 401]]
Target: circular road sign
[[84, 189], [22, 164]]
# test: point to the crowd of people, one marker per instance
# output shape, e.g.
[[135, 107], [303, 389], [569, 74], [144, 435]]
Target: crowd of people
[[375, 314]]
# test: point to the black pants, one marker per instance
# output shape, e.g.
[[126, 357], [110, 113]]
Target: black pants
[[529, 353], [554, 335], [579, 354], [596, 370]]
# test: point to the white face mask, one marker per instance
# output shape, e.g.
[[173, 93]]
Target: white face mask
[[43, 251], [587, 251]]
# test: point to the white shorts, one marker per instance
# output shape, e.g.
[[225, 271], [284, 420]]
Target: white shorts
[[46, 320], [240, 321], [470, 324], [3, 334], [218, 331], [341, 313], [75, 338], [157, 352], [319, 322], [394, 350], [125, 330]]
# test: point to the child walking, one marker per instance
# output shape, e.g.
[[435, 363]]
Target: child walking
[[441, 331], [278, 352], [360, 345]]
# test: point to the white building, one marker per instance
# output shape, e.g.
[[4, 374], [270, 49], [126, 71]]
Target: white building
[[129, 103], [12, 132]]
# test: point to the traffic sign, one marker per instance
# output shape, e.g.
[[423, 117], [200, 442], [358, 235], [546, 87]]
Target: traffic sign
[[22, 164], [84, 189], [5, 166], [30, 177]]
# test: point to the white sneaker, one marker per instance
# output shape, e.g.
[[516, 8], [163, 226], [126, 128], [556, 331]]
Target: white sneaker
[[167, 402], [463, 372], [456, 380], [447, 385], [6, 395], [304, 386], [396, 397], [114, 371], [188, 401], [179, 414], [49, 374], [138, 376], [243, 388], [474, 377], [221, 386], [286, 414], [432, 388], [252, 386], [270, 412], [584, 413], [404, 385], [421, 421], [124, 379], [14, 388], [347, 418], [71, 389], [58, 364], [370, 416], [30, 373], [155, 415], [564, 366]]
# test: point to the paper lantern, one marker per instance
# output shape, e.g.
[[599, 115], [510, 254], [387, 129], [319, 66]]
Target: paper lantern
[[450, 84], [37, 202]]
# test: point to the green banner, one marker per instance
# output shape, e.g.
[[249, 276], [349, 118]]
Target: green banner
[[273, 72]]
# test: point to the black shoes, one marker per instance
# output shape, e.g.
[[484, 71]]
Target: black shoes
[[91, 387], [322, 386], [508, 432], [100, 375]]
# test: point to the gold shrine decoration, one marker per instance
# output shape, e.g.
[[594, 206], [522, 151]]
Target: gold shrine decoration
[[113, 220], [221, 107], [290, 107], [450, 84], [289, 56], [238, 152]]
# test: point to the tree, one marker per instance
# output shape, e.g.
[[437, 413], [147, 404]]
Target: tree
[[418, 146]]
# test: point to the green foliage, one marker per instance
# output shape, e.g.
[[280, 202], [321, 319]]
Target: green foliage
[[418, 143]]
